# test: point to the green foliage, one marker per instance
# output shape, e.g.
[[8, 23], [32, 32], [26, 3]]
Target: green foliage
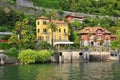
[[30, 56], [23, 37], [11, 1], [41, 45], [53, 27], [27, 56], [76, 25], [12, 52], [8, 18], [113, 29], [44, 55], [74, 37], [103, 22], [47, 3], [100, 7], [116, 44], [101, 42], [4, 45], [5, 37]]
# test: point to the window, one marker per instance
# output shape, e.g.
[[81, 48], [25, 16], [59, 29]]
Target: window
[[38, 30], [65, 38], [47, 38], [99, 31], [44, 30], [64, 30], [54, 38], [40, 37], [38, 22], [59, 30], [44, 22], [60, 38], [99, 37]]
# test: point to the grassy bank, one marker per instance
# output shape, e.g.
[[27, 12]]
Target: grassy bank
[[54, 4]]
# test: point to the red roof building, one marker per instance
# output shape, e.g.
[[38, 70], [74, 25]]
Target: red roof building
[[95, 36], [71, 18]]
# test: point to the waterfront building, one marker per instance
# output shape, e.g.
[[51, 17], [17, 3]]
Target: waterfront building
[[59, 36], [95, 36]]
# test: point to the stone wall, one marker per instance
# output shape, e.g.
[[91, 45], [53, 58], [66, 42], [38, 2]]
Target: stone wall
[[77, 56], [71, 56], [99, 56], [25, 3]]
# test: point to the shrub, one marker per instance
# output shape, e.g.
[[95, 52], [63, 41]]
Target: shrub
[[44, 55], [27, 56], [4, 45], [12, 52]]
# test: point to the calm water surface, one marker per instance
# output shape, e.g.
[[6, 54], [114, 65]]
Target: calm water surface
[[68, 71]]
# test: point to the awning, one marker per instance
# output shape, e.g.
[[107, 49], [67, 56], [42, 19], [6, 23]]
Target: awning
[[55, 43], [6, 33]]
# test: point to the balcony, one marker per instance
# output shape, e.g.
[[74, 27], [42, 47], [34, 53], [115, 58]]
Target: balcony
[[66, 33], [60, 40], [45, 32]]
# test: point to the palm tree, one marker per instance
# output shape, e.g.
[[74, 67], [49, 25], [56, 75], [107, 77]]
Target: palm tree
[[53, 27], [51, 14]]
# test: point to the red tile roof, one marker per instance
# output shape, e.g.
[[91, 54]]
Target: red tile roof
[[92, 30]]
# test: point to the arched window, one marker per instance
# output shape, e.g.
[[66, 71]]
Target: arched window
[[64, 30], [60, 30], [44, 22], [38, 22], [38, 30]]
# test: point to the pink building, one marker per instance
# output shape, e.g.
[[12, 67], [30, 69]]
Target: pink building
[[95, 36]]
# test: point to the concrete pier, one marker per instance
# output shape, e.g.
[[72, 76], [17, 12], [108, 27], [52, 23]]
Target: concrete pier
[[77, 56]]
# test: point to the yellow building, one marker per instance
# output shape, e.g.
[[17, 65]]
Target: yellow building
[[60, 36]]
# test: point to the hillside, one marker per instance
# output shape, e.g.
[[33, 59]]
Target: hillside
[[11, 13], [99, 7]]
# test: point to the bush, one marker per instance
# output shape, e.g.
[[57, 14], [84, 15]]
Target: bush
[[4, 45], [27, 56], [12, 52], [44, 55]]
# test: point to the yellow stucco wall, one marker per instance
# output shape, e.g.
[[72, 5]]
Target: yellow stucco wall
[[60, 36]]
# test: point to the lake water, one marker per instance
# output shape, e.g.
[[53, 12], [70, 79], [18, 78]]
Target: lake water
[[66, 71]]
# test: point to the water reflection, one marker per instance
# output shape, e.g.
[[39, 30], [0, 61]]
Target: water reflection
[[68, 71]]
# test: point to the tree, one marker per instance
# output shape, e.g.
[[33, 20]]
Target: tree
[[51, 14], [23, 37], [41, 45], [53, 27], [116, 44], [60, 12], [76, 25]]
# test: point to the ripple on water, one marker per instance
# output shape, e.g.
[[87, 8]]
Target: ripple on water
[[68, 71]]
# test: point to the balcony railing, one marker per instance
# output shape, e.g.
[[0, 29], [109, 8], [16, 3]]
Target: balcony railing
[[60, 40], [45, 32]]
